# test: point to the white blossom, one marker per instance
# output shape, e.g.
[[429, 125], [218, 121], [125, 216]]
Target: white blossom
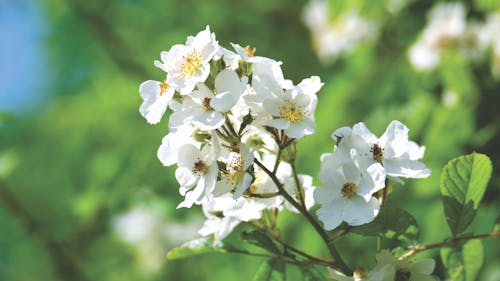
[[156, 95], [188, 64]]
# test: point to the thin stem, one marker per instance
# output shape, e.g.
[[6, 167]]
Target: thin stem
[[290, 247], [281, 258], [333, 251], [299, 190], [417, 249]]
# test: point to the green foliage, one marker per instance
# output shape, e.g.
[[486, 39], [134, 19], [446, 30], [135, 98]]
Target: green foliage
[[261, 240], [463, 183], [391, 223], [313, 273], [463, 261], [270, 270]]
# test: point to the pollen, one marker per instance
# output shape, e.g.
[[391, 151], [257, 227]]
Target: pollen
[[206, 104], [191, 63], [378, 153], [292, 112], [349, 190], [163, 87], [200, 167], [250, 51]]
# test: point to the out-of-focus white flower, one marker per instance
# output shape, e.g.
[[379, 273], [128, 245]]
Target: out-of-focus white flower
[[347, 194], [333, 39], [444, 30], [151, 234], [188, 64], [156, 95]]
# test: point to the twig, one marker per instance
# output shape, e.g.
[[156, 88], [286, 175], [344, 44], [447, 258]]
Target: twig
[[333, 251], [417, 249]]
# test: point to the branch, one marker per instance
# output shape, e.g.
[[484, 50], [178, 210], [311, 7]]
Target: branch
[[417, 249], [333, 251]]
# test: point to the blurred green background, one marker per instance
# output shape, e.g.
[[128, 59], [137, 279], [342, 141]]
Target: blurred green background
[[82, 194]]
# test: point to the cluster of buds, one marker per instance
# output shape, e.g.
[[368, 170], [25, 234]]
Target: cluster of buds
[[230, 111]]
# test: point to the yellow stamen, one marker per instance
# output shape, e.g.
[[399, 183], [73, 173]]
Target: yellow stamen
[[292, 112], [250, 51], [164, 87], [191, 64]]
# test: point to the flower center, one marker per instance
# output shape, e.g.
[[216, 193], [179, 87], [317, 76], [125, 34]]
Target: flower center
[[378, 153], [292, 112], [206, 104], [191, 64], [250, 51], [234, 168], [200, 167], [163, 87], [360, 273], [349, 190]]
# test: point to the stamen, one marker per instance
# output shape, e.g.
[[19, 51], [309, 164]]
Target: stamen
[[250, 51], [191, 64], [378, 153], [200, 167], [349, 190], [164, 87], [292, 112]]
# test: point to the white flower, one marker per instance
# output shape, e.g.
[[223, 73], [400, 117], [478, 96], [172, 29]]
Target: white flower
[[293, 109], [205, 108], [347, 194], [156, 95], [171, 143], [188, 64], [388, 268], [224, 213], [306, 182], [393, 150], [444, 30], [197, 169], [235, 177], [316, 15]]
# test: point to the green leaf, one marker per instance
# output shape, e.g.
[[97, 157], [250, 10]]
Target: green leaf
[[261, 240], [270, 270], [198, 247], [496, 226], [463, 262], [391, 223], [314, 273], [463, 182]]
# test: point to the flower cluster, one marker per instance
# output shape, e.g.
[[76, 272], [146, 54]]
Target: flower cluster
[[230, 110], [358, 168], [448, 29], [333, 39], [390, 268]]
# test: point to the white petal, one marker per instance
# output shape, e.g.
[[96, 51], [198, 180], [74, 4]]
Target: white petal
[[155, 103], [209, 121], [223, 102], [228, 81], [310, 86], [406, 168], [247, 180], [188, 155], [357, 211], [323, 195], [361, 130], [298, 130], [279, 123], [395, 137], [331, 214], [185, 177]]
